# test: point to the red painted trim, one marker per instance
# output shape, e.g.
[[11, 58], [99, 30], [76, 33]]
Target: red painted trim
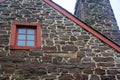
[[1, 1], [13, 38], [83, 25]]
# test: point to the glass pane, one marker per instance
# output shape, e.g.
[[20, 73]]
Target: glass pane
[[21, 43], [30, 37], [30, 31], [21, 37], [21, 31], [30, 43]]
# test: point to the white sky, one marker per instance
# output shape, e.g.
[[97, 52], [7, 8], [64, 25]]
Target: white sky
[[71, 4]]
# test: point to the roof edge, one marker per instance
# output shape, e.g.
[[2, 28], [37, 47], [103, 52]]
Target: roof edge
[[1, 1], [83, 25]]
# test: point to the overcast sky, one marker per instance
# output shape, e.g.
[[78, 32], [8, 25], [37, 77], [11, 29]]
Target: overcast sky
[[69, 5]]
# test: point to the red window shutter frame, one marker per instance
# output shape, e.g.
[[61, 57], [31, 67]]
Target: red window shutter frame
[[13, 38]]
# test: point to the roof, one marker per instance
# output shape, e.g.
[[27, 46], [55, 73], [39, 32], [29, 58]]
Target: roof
[[1, 1], [84, 25]]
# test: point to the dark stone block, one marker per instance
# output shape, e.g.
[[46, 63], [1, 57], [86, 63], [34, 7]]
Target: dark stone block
[[12, 59], [113, 72], [107, 77], [31, 20], [73, 38], [19, 53], [87, 65], [15, 5], [24, 11], [101, 59], [36, 53], [49, 77], [94, 77], [61, 27], [2, 8], [81, 77], [6, 12], [88, 71], [50, 49], [106, 64], [8, 68], [69, 48], [66, 77], [52, 69], [100, 71], [47, 59], [74, 61], [57, 60]]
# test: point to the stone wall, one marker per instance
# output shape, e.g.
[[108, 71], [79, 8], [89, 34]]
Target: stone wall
[[99, 15], [68, 51]]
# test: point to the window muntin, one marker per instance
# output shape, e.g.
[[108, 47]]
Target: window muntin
[[26, 37]]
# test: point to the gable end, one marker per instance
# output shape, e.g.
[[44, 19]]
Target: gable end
[[84, 26]]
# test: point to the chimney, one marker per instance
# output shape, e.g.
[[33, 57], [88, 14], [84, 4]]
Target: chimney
[[96, 13]]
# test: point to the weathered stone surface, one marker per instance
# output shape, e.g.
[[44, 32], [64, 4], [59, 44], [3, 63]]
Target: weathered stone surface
[[69, 48], [49, 77], [36, 53], [74, 61], [94, 77], [66, 77], [57, 60], [102, 59], [50, 49], [100, 71], [88, 71], [12, 59], [19, 53], [68, 52], [81, 77], [24, 11], [106, 64], [47, 59], [95, 16], [87, 65], [113, 72], [108, 78], [8, 68], [31, 19]]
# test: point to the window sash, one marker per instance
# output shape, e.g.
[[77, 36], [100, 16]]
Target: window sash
[[26, 37]]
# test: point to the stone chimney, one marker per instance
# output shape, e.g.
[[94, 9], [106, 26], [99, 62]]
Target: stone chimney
[[96, 13]]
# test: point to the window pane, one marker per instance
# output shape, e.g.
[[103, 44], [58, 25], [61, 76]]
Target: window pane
[[21, 31], [21, 37], [21, 43], [30, 43], [30, 31], [30, 37]]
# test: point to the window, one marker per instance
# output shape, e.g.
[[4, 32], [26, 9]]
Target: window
[[25, 36]]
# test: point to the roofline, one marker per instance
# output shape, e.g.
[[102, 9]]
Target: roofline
[[83, 25], [1, 1]]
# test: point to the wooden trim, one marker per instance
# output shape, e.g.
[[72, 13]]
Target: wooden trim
[[13, 37], [83, 25], [1, 1]]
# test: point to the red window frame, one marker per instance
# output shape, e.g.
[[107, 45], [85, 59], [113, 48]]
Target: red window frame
[[14, 34]]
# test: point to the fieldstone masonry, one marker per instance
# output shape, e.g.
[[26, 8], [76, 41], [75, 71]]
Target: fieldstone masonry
[[68, 51], [99, 15]]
